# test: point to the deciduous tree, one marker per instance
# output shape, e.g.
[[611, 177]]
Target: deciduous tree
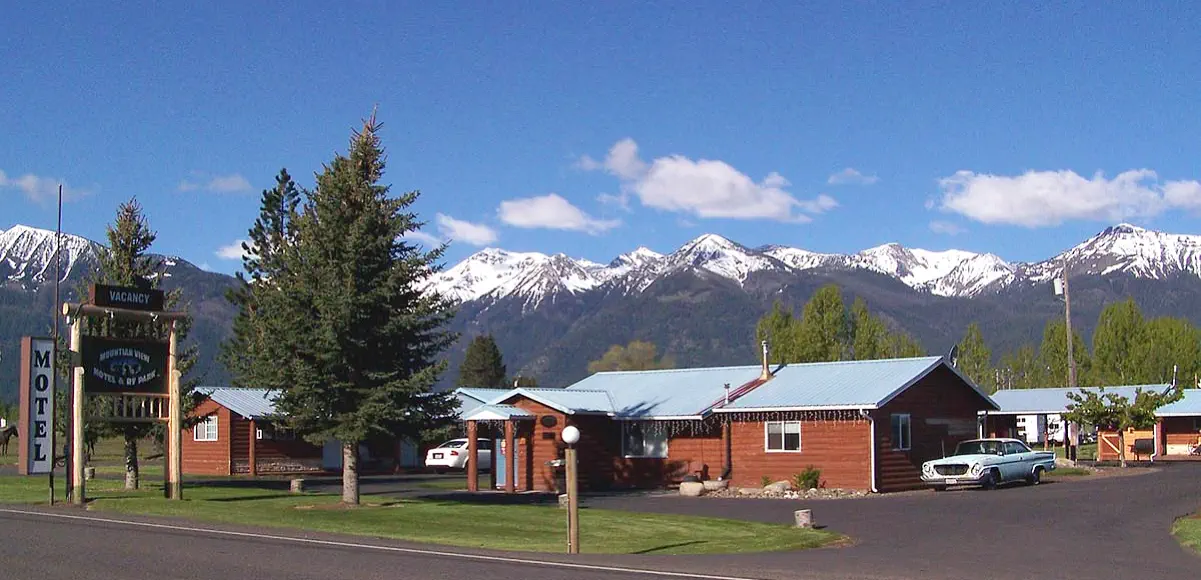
[[975, 358], [1109, 411], [823, 334], [636, 356]]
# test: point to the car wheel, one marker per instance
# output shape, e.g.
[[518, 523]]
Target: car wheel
[[940, 488], [990, 479], [440, 470], [1036, 477]]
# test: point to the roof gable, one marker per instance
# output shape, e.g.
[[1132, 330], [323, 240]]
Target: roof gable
[[571, 402], [249, 403]]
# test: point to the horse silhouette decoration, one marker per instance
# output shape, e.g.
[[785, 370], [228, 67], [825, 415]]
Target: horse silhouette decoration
[[6, 434]]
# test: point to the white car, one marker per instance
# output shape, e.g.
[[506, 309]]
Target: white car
[[453, 455], [988, 463]]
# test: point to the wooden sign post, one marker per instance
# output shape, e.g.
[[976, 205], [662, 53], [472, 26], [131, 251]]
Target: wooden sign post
[[136, 375]]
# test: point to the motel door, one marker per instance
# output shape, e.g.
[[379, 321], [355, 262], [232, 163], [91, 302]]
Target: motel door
[[502, 464]]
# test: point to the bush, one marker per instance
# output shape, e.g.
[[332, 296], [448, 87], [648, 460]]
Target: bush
[[765, 481], [808, 479]]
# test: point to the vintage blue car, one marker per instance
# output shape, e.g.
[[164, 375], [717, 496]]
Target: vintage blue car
[[988, 463]]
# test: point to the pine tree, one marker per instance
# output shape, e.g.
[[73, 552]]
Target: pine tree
[[252, 353], [1053, 356], [126, 261], [637, 356], [362, 334], [824, 328], [1117, 343], [975, 359], [482, 364]]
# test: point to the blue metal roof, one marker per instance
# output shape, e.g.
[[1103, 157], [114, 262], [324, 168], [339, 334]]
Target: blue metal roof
[[1054, 400], [666, 393], [1189, 406], [497, 413], [249, 403], [471, 398], [866, 384], [570, 401]]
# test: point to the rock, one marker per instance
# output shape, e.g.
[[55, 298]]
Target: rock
[[692, 489], [749, 491], [716, 484], [297, 485], [779, 486], [803, 518]]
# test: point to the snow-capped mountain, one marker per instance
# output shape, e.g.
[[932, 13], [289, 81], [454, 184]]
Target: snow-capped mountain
[[27, 255], [1123, 248]]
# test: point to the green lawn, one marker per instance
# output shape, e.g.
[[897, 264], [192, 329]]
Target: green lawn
[[504, 527], [1087, 451], [1188, 532], [1069, 472]]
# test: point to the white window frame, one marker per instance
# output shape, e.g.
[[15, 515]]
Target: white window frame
[[908, 438], [784, 437], [200, 432], [655, 428]]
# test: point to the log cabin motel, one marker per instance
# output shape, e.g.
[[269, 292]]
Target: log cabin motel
[[866, 425]]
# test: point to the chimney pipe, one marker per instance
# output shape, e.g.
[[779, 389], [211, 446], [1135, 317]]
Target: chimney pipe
[[727, 394], [766, 374]]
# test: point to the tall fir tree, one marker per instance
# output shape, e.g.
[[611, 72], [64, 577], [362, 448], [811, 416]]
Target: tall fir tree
[[482, 365], [126, 261], [823, 331], [975, 359], [1117, 344], [362, 334]]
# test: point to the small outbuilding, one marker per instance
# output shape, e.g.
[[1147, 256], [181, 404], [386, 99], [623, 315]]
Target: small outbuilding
[[236, 434]]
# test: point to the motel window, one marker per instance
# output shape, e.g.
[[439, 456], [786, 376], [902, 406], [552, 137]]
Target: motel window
[[206, 430], [782, 435], [901, 433], [644, 439]]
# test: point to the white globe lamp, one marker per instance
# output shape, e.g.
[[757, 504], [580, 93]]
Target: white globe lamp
[[571, 435]]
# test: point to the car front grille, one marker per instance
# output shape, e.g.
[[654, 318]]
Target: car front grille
[[950, 469]]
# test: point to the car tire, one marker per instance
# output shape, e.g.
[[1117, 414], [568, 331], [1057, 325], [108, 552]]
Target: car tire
[[990, 479], [939, 488], [1036, 477]]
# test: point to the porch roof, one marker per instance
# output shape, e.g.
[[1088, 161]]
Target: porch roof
[[497, 413], [1188, 406], [1054, 400], [867, 384], [471, 398], [569, 401]]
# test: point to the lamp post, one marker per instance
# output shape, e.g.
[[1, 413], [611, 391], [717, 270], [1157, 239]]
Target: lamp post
[[571, 436]]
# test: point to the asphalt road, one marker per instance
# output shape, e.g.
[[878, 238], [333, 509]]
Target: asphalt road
[[1102, 528]]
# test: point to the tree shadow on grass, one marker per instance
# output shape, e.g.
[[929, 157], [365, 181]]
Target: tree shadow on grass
[[657, 549], [535, 499]]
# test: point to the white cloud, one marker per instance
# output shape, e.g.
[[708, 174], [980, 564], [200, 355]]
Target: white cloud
[[851, 176], [232, 183], [232, 251], [205, 266], [621, 200], [703, 188], [551, 212], [1049, 198], [465, 231], [423, 238], [946, 228], [41, 190]]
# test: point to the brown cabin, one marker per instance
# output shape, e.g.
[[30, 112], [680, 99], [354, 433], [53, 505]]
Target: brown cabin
[[235, 435], [867, 425]]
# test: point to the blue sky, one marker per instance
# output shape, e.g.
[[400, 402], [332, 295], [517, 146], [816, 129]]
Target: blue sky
[[1019, 129]]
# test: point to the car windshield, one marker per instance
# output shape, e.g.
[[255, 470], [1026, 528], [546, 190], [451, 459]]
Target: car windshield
[[978, 448]]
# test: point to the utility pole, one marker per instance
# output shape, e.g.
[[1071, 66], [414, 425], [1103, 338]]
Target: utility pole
[[1067, 314]]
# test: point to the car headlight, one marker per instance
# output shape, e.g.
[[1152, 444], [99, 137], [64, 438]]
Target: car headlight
[[977, 469], [927, 468]]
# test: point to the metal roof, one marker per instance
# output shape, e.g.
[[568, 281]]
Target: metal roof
[[1189, 406], [666, 393], [570, 401], [866, 384], [249, 403], [471, 398], [497, 413], [1054, 400]]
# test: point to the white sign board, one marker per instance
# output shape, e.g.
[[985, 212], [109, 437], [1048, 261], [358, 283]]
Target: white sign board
[[38, 399]]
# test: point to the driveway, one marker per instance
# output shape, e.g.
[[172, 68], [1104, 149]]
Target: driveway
[[1108, 527]]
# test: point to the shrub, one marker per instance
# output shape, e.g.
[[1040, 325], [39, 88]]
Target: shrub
[[765, 481], [808, 479]]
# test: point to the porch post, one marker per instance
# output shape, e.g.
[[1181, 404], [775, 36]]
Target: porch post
[[473, 456], [510, 458], [254, 465], [492, 458]]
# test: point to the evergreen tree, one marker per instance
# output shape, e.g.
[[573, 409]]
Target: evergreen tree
[[975, 359], [1053, 356], [126, 261], [362, 335], [824, 328], [636, 356], [1117, 343], [251, 353], [482, 365]]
